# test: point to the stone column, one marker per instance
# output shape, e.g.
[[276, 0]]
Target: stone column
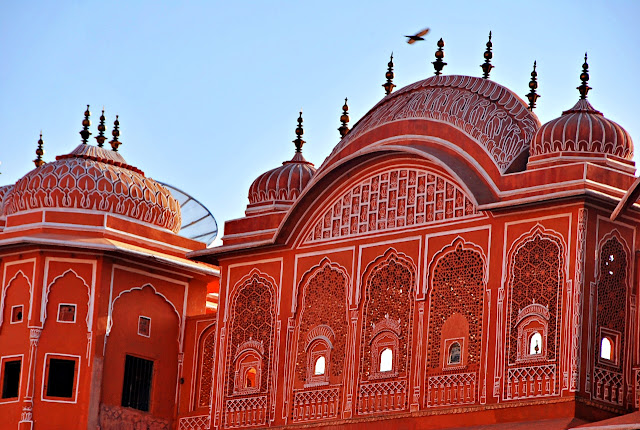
[[26, 419]]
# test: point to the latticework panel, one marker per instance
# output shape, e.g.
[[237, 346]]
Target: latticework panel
[[199, 422], [206, 376], [252, 320], [311, 405], [382, 397], [390, 199], [389, 295], [531, 381], [458, 280], [612, 297], [454, 389], [608, 386], [537, 277], [246, 412], [324, 302]]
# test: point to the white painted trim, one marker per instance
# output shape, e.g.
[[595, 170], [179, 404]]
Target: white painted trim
[[5, 286], [46, 288], [44, 374], [2, 360]]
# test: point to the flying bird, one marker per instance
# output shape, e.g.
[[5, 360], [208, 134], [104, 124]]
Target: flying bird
[[417, 36]]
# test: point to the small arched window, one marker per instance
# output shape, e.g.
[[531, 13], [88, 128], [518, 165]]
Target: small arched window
[[250, 378], [319, 366], [535, 344], [455, 353], [606, 348], [386, 360]]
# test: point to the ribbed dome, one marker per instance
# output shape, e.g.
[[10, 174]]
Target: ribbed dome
[[582, 129], [94, 178], [284, 183]]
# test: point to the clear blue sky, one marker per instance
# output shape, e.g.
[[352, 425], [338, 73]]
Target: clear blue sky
[[208, 92]]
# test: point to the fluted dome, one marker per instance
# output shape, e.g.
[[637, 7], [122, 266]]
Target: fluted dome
[[93, 178], [582, 129], [3, 192], [282, 184]]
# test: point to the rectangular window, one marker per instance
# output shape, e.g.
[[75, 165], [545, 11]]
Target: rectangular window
[[11, 378], [144, 326], [136, 387], [16, 314], [66, 313], [61, 378]]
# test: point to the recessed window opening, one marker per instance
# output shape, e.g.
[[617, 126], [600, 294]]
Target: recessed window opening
[[144, 326], [16, 314], [250, 379], [11, 379], [66, 312], [535, 344], [136, 388], [455, 353], [320, 365], [61, 378], [605, 348], [386, 360]]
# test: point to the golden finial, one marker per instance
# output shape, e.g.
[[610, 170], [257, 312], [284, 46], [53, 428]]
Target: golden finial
[[344, 119], [533, 86], [39, 153], [101, 128], [115, 133], [488, 55], [85, 133], [389, 85], [299, 132], [584, 77], [439, 63]]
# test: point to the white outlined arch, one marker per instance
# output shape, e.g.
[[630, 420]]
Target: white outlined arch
[[140, 288], [5, 288], [47, 291], [310, 274], [537, 231]]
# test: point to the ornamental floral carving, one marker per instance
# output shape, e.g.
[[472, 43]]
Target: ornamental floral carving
[[487, 112]]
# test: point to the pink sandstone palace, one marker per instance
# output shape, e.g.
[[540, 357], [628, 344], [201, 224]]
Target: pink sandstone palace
[[452, 263]]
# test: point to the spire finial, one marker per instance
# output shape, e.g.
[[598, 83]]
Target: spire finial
[[439, 63], [299, 132], [389, 85], [488, 55], [85, 133], [533, 86], [115, 133], [101, 128], [584, 77], [39, 153], [344, 119]]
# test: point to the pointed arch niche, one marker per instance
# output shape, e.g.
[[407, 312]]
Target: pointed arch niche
[[249, 352], [537, 273], [387, 324], [456, 304]]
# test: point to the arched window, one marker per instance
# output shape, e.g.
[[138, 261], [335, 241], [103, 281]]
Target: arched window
[[386, 360], [319, 367], [535, 344], [606, 348], [250, 378], [455, 353]]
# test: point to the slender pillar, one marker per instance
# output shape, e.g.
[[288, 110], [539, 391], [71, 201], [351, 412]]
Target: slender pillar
[[26, 419]]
